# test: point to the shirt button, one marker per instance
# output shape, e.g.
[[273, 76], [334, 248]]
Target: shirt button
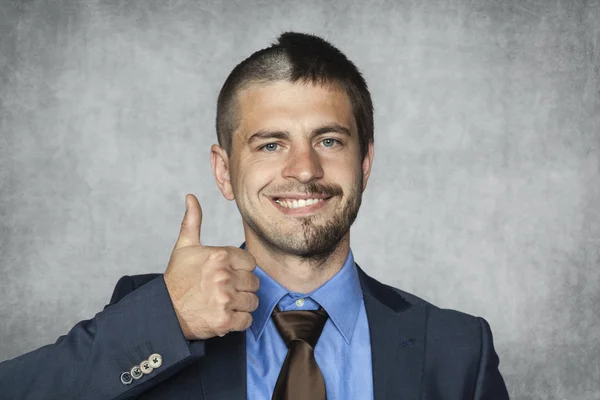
[[300, 302]]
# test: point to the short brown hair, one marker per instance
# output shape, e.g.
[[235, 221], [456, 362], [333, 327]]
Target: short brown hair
[[296, 57]]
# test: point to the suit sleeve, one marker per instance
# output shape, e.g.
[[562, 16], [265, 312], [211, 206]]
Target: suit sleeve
[[490, 384], [88, 362]]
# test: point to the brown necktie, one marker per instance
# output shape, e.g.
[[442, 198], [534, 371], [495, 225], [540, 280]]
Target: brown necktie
[[300, 377]]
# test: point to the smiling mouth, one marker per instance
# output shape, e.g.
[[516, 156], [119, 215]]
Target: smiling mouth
[[301, 204]]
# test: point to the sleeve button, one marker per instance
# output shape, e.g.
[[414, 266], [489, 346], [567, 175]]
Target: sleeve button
[[136, 372], [126, 378], [155, 360], [145, 367]]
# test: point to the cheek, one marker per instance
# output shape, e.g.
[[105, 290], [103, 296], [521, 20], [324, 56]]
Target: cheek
[[255, 176], [344, 173]]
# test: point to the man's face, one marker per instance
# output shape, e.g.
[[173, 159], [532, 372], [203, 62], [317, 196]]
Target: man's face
[[295, 169]]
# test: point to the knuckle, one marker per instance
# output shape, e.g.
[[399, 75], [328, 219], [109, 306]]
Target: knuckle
[[220, 332], [223, 322], [218, 254], [222, 276], [224, 298]]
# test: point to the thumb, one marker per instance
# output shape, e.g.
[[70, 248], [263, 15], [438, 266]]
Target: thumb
[[189, 235]]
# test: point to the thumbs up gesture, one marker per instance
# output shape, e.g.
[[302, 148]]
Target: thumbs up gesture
[[213, 289]]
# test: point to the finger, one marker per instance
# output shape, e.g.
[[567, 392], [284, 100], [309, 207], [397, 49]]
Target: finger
[[189, 235], [246, 281], [241, 259], [244, 302], [241, 321]]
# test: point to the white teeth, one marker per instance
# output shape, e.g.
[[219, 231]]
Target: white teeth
[[297, 203]]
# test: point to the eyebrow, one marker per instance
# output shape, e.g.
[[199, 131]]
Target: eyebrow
[[284, 135]]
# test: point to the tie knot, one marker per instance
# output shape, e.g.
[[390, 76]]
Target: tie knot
[[300, 325]]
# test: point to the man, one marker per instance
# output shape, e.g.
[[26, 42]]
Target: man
[[289, 314]]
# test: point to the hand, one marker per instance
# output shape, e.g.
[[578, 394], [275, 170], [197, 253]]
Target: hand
[[212, 288]]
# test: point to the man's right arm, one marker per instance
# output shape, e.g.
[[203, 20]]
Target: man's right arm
[[94, 360], [205, 292]]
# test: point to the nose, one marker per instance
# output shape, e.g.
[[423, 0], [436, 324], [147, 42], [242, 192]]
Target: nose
[[303, 164]]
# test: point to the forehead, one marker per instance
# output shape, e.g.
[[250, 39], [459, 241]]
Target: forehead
[[283, 105]]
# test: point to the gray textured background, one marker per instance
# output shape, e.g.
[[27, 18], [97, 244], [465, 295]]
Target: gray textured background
[[485, 193]]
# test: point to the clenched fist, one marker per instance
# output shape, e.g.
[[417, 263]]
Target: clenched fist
[[213, 289]]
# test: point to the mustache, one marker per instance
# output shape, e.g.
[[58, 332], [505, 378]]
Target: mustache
[[313, 188]]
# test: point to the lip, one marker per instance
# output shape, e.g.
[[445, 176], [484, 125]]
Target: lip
[[303, 210]]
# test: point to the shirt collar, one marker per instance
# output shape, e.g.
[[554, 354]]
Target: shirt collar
[[340, 296]]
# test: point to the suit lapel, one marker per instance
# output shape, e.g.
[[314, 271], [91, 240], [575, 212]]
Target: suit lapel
[[223, 368], [397, 330]]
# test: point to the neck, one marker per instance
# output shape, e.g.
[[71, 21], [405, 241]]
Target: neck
[[298, 274]]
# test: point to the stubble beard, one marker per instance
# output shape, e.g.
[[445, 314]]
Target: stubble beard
[[314, 241]]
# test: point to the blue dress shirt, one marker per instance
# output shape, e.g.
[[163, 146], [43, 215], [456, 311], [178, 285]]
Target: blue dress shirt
[[343, 351]]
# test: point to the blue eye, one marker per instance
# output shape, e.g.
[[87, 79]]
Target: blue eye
[[332, 141], [269, 147]]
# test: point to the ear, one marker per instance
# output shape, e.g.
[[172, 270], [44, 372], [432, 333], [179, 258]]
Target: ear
[[367, 164], [220, 166]]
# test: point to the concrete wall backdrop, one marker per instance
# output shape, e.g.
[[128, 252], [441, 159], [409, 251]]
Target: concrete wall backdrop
[[485, 194]]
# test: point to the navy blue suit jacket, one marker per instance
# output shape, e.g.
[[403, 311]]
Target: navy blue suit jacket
[[419, 351]]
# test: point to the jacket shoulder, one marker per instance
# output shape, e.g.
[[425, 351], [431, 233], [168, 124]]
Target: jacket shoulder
[[443, 319]]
